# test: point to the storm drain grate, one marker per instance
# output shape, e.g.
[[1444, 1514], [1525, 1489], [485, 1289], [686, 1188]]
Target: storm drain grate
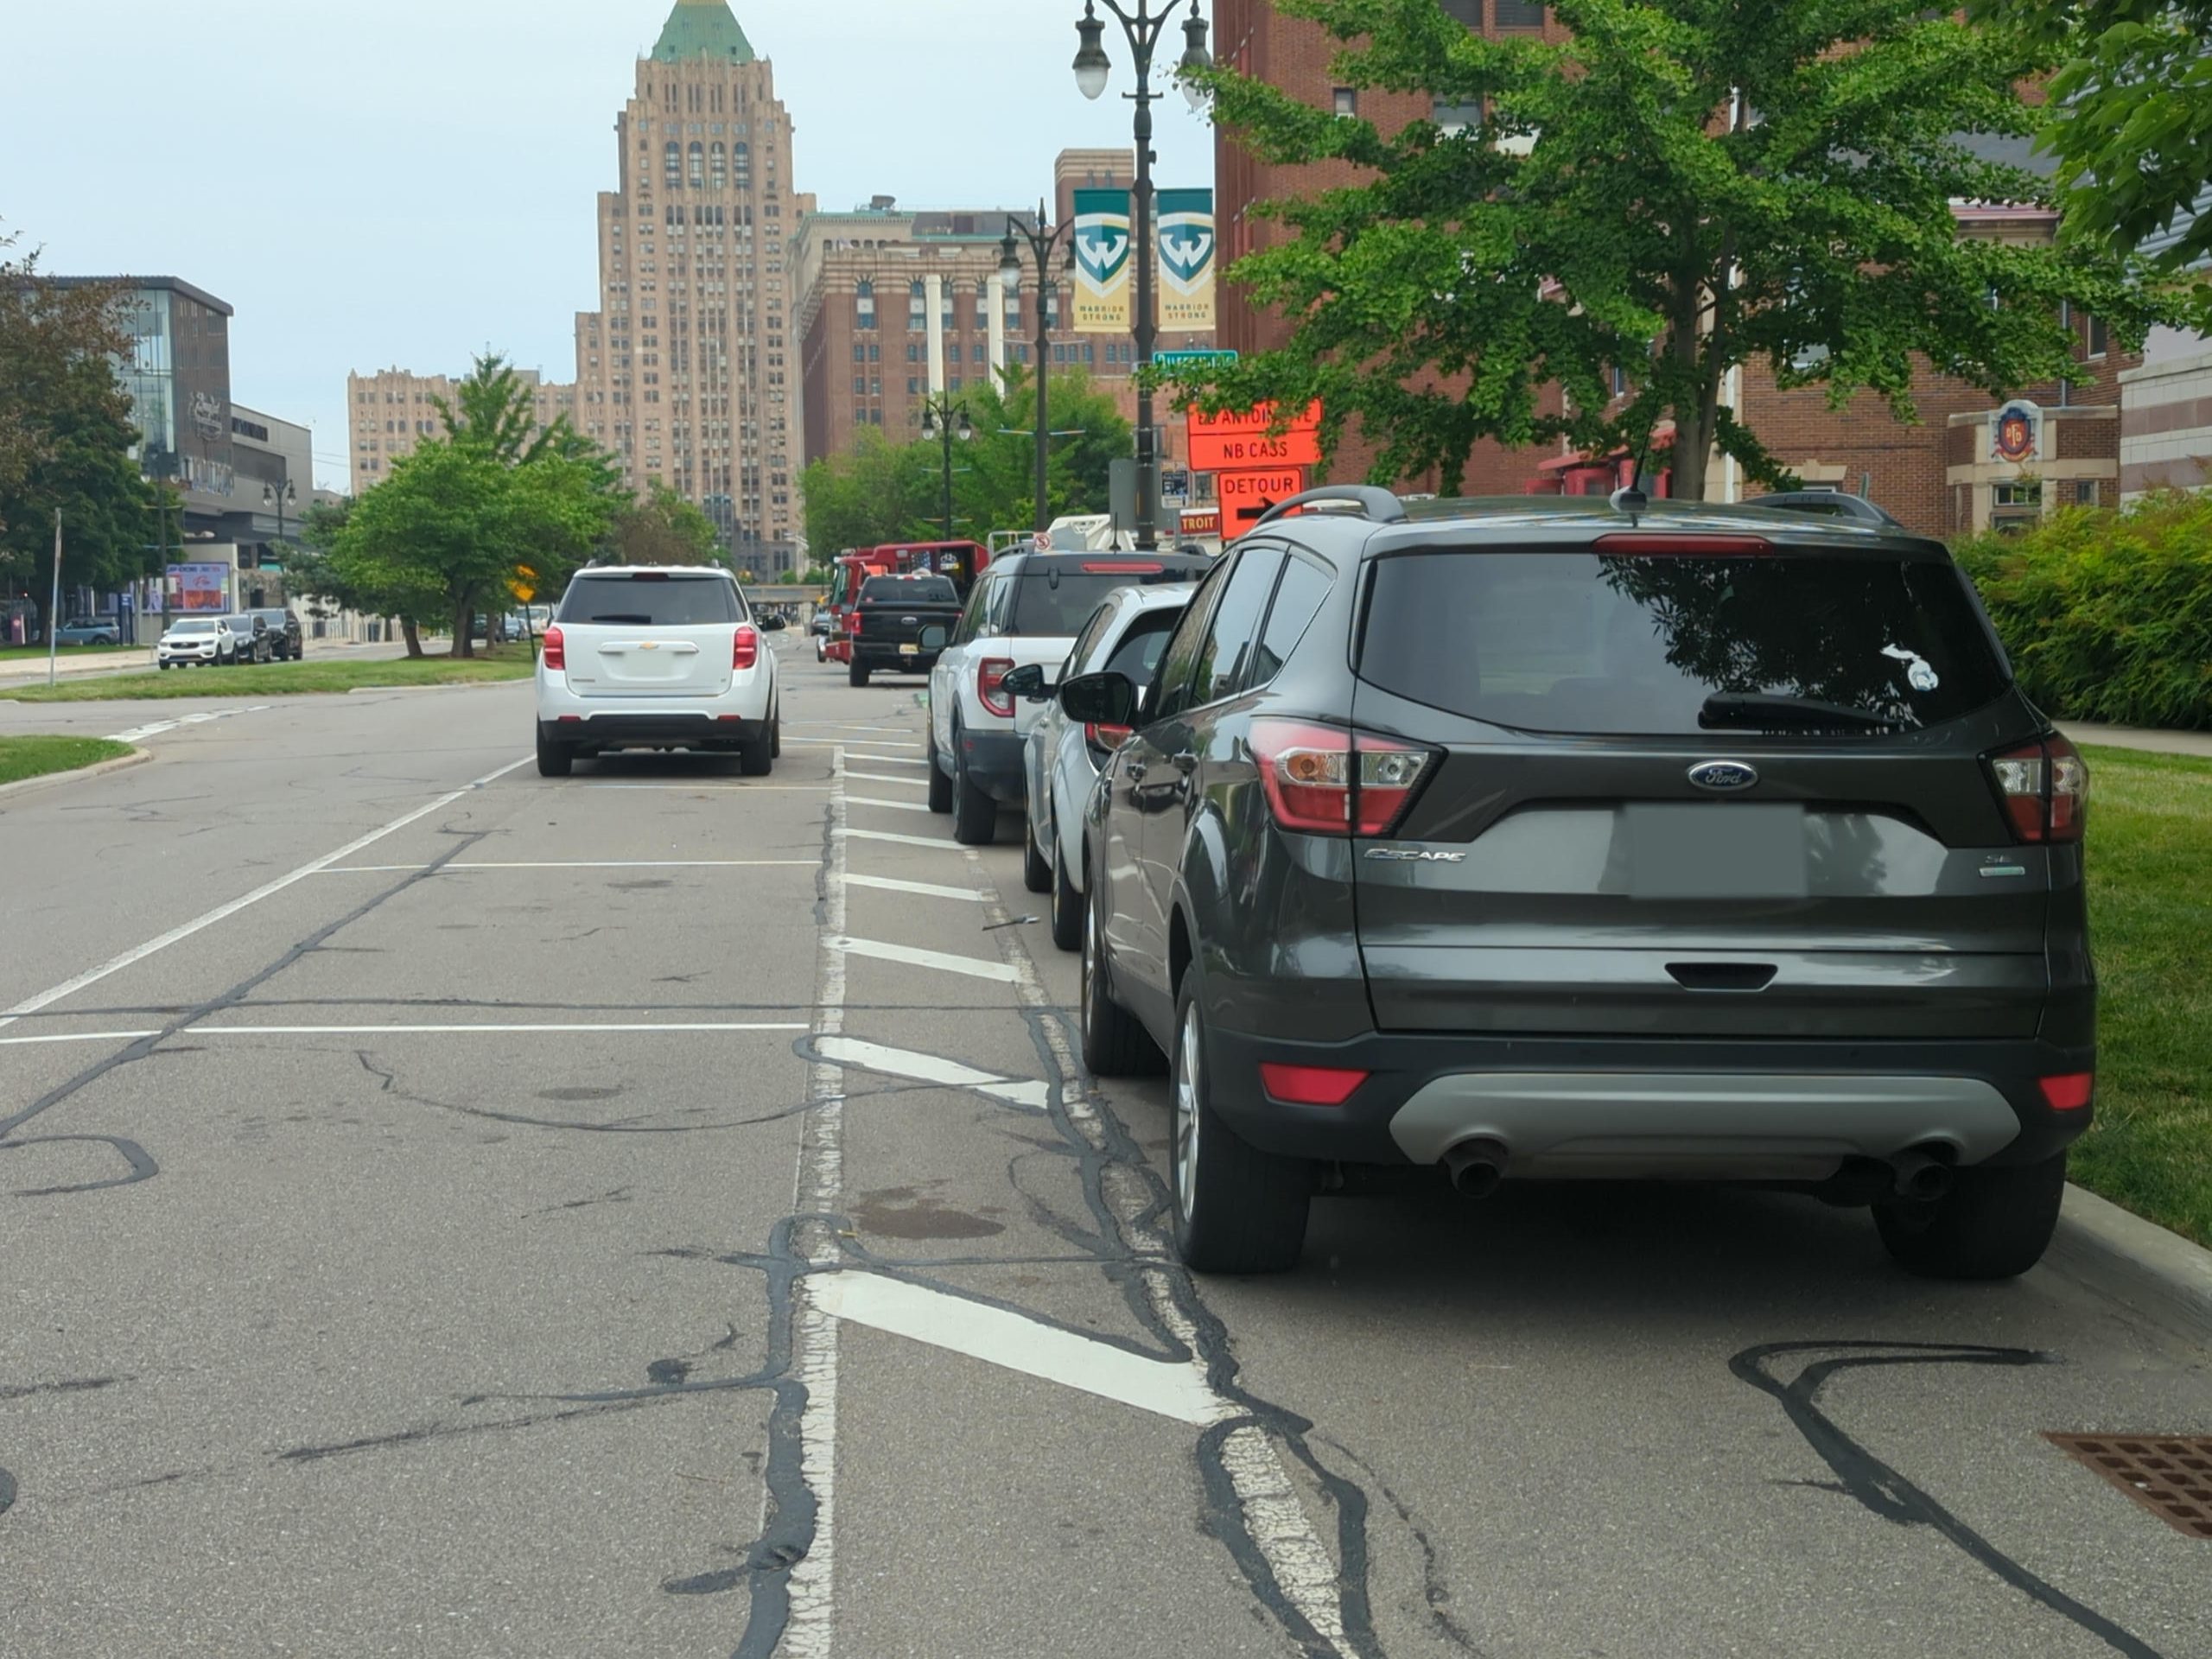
[[2169, 1475]]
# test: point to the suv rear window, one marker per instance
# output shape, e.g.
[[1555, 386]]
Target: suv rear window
[[909, 590], [1057, 595], [1670, 645], [651, 601]]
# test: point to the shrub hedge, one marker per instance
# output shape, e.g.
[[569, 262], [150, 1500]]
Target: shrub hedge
[[2107, 615]]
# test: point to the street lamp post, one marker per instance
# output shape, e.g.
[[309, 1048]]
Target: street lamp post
[[944, 420], [1143, 29], [270, 498], [1041, 240]]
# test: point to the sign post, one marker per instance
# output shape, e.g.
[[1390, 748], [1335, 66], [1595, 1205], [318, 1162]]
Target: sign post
[[53, 613]]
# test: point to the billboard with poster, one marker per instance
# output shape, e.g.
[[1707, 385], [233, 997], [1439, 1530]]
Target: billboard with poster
[[203, 587]]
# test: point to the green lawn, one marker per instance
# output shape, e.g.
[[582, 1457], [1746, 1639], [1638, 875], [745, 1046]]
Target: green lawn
[[37, 653], [2150, 865], [278, 679], [34, 757]]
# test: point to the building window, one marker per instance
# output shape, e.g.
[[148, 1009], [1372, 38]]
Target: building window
[[917, 303], [983, 305], [913, 385], [2100, 337], [1517, 14], [1620, 381], [859, 385], [864, 303], [698, 165], [1469, 12], [860, 352], [913, 351], [2085, 491], [718, 165], [671, 157], [1345, 99], [874, 352]]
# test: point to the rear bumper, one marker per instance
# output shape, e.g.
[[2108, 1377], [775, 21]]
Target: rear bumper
[[887, 656], [617, 731], [1627, 1108], [995, 765]]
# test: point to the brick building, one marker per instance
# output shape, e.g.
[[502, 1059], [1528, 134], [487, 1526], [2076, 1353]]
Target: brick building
[[389, 412], [1940, 476]]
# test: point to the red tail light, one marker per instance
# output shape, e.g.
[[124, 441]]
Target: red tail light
[[744, 648], [990, 675], [2043, 788], [1123, 568], [1636, 542], [1309, 1085], [2070, 1092], [553, 649], [1107, 738], [1323, 780]]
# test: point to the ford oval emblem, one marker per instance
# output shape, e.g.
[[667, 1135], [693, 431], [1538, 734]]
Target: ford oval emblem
[[1724, 775]]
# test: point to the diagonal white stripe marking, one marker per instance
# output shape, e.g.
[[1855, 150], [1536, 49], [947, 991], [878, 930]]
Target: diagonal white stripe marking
[[929, 1068], [587, 864], [884, 778], [939, 961], [419, 1030], [1001, 1337], [901, 841], [921, 889], [896, 806]]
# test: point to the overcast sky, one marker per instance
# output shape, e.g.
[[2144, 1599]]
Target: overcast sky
[[407, 181]]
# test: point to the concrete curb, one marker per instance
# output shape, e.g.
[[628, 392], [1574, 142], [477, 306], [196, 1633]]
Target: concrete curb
[[136, 757], [2103, 1248]]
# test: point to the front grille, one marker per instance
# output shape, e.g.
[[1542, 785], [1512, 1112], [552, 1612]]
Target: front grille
[[2170, 1475]]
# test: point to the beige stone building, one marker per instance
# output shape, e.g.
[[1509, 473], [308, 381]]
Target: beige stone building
[[392, 410], [689, 368]]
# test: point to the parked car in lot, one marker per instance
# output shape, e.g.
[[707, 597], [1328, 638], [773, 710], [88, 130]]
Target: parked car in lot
[[282, 630], [1549, 840], [1024, 609], [89, 631], [664, 657], [890, 620], [1061, 757], [251, 634], [195, 642]]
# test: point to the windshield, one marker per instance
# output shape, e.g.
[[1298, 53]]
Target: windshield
[[1059, 598], [650, 600], [1576, 642], [909, 590], [192, 627]]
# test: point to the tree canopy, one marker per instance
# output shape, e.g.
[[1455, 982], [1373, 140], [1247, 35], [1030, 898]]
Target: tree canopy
[[1678, 187], [663, 529]]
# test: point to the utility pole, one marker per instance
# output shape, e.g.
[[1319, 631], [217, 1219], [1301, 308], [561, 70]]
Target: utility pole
[[53, 612]]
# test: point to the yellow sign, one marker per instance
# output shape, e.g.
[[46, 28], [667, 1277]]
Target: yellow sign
[[524, 586]]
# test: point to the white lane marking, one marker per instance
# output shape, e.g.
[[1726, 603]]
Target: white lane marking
[[590, 864], [423, 1031], [886, 760], [895, 806], [80, 1036], [999, 1336], [884, 778], [855, 743], [941, 962], [708, 789], [929, 1068], [920, 889], [155, 728], [947, 844], [818, 1190], [846, 726], [1301, 1564], [222, 913]]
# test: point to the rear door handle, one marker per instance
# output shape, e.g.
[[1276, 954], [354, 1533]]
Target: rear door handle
[[1186, 763], [1133, 771]]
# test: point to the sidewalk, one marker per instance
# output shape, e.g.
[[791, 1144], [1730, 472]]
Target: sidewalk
[[2140, 737]]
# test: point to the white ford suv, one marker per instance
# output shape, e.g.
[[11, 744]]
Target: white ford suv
[[664, 657], [1026, 608]]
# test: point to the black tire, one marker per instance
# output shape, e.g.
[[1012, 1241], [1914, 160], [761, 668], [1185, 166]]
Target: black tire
[[1237, 1209], [1994, 1224], [554, 760], [1067, 905], [855, 674], [1036, 874], [1114, 1045], [975, 814], [161, 665], [940, 784], [776, 735], [756, 756]]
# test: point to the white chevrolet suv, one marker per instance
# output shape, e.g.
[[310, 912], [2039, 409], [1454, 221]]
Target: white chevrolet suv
[[1026, 608], [664, 657]]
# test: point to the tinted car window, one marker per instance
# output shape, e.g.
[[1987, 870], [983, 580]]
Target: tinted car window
[[1298, 595], [1235, 620], [971, 619], [1056, 595], [1171, 692], [910, 590], [650, 601], [1579, 642], [1136, 653]]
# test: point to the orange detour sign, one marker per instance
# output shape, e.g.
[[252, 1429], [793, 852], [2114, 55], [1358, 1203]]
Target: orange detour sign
[[1237, 441], [1245, 496]]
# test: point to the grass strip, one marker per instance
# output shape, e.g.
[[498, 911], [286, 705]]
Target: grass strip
[[279, 679], [37, 757]]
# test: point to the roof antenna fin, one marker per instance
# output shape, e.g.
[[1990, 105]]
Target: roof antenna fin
[[1629, 498]]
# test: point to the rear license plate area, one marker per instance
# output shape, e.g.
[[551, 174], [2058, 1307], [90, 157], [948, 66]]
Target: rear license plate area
[[1701, 851]]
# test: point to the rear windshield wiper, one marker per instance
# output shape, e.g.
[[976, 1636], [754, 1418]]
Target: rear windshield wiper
[[1764, 708]]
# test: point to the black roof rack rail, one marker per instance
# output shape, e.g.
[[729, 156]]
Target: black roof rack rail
[[1376, 505], [1832, 503]]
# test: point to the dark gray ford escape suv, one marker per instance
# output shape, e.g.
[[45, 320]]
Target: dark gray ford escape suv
[[1548, 839]]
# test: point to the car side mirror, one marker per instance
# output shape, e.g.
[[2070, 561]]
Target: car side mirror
[[1105, 699], [933, 639], [1027, 681]]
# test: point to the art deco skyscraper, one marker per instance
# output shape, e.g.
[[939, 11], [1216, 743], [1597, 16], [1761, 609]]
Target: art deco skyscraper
[[687, 370]]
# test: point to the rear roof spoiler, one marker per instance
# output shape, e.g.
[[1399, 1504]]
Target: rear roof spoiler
[[1375, 504]]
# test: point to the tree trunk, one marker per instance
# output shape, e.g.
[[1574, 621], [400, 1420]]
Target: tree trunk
[[463, 619], [413, 634]]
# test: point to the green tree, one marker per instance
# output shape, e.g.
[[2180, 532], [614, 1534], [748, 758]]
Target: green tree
[[1680, 187], [863, 495], [663, 529], [65, 433]]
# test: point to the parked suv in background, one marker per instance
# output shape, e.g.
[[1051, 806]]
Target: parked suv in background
[[194, 642], [664, 657], [1027, 608], [1562, 840], [283, 629]]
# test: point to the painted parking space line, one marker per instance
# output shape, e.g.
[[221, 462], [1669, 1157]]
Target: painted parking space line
[[80, 1036], [943, 842], [895, 806], [549, 1027], [930, 1068], [155, 728], [1001, 1337], [884, 760], [941, 962], [850, 745], [919, 889], [883, 777], [583, 864], [711, 789]]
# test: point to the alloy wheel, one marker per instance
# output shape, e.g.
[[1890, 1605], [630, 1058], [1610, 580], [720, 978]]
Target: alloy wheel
[[1188, 1080]]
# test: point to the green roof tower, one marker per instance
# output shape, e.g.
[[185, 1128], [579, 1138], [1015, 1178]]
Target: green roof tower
[[702, 28]]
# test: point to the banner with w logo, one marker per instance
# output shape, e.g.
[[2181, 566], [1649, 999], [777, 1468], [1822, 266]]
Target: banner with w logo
[[1187, 244], [1102, 262]]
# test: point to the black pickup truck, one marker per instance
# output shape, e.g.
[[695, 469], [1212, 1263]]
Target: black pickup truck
[[890, 618]]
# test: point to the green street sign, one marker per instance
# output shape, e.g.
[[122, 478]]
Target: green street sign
[[1193, 359]]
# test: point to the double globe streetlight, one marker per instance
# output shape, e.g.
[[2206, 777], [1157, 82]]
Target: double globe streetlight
[[943, 421], [1143, 29]]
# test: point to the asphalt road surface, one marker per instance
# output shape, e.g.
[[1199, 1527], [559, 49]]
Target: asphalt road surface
[[448, 1212]]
